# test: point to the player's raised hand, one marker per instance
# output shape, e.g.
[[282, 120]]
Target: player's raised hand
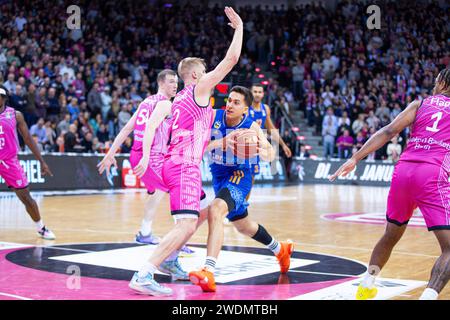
[[45, 169], [344, 170], [235, 19], [106, 164], [141, 167]]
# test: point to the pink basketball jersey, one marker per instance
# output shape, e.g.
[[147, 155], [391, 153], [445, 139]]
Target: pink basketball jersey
[[430, 135], [9, 143], [191, 128], [161, 137]]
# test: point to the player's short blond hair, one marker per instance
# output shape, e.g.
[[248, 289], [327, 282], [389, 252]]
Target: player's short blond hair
[[185, 66]]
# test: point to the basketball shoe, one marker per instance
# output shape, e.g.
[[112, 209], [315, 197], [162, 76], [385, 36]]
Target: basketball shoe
[[148, 285], [204, 279], [364, 293], [284, 256], [174, 269], [46, 234], [150, 239]]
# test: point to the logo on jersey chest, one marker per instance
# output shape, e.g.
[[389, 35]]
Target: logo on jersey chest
[[217, 124]]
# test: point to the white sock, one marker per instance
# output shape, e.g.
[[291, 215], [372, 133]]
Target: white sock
[[146, 227], [368, 280], [429, 294], [210, 264], [39, 225], [274, 246], [146, 269], [173, 256]]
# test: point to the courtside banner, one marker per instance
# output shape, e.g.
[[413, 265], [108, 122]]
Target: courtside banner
[[367, 173], [72, 171]]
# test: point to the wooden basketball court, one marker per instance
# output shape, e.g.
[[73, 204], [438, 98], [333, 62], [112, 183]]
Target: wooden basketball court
[[318, 218]]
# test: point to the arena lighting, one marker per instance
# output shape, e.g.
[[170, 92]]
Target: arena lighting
[[257, 70], [273, 63], [308, 147], [300, 138], [260, 76], [265, 82], [295, 129]]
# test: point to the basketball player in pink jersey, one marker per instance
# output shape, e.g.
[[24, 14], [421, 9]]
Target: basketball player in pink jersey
[[10, 169], [156, 108], [192, 118], [420, 179]]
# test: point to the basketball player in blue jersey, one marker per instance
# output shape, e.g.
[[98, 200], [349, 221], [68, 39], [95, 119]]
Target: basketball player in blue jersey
[[260, 113], [232, 182]]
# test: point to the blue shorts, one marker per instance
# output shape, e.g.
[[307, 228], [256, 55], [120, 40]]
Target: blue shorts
[[237, 185]]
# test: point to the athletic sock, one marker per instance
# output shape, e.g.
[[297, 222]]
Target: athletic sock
[[40, 225], [274, 246], [429, 294], [210, 264], [146, 269], [146, 227], [368, 280]]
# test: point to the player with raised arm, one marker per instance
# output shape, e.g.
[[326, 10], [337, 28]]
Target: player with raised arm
[[420, 179], [153, 119], [11, 122], [192, 117]]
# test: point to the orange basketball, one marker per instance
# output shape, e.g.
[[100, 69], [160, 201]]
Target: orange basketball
[[246, 144]]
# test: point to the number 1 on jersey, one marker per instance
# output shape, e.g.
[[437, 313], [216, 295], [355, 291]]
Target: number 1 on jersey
[[438, 117]]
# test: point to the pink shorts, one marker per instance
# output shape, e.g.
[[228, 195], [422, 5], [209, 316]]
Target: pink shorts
[[420, 185], [11, 171], [185, 187], [152, 177]]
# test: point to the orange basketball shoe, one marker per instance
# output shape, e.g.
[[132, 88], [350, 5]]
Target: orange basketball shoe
[[284, 256], [204, 279]]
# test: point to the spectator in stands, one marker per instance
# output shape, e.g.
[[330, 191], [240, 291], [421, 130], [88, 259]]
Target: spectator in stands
[[394, 149], [71, 139], [39, 131], [124, 115], [329, 132], [87, 143], [304, 154], [54, 108], [345, 145], [63, 125]]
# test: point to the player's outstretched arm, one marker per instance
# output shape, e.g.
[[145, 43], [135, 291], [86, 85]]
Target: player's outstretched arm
[[161, 111], [25, 133], [265, 150], [273, 131], [380, 138], [211, 79], [109, 159]]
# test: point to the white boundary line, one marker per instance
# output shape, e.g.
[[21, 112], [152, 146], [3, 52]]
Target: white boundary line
[[14, 296]]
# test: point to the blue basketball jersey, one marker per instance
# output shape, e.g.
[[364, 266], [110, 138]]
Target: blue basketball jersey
[[259, 116], [224, 162]]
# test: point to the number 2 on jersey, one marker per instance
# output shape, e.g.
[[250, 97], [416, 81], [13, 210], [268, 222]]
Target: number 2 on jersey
[[438, 117], [176, 115]]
